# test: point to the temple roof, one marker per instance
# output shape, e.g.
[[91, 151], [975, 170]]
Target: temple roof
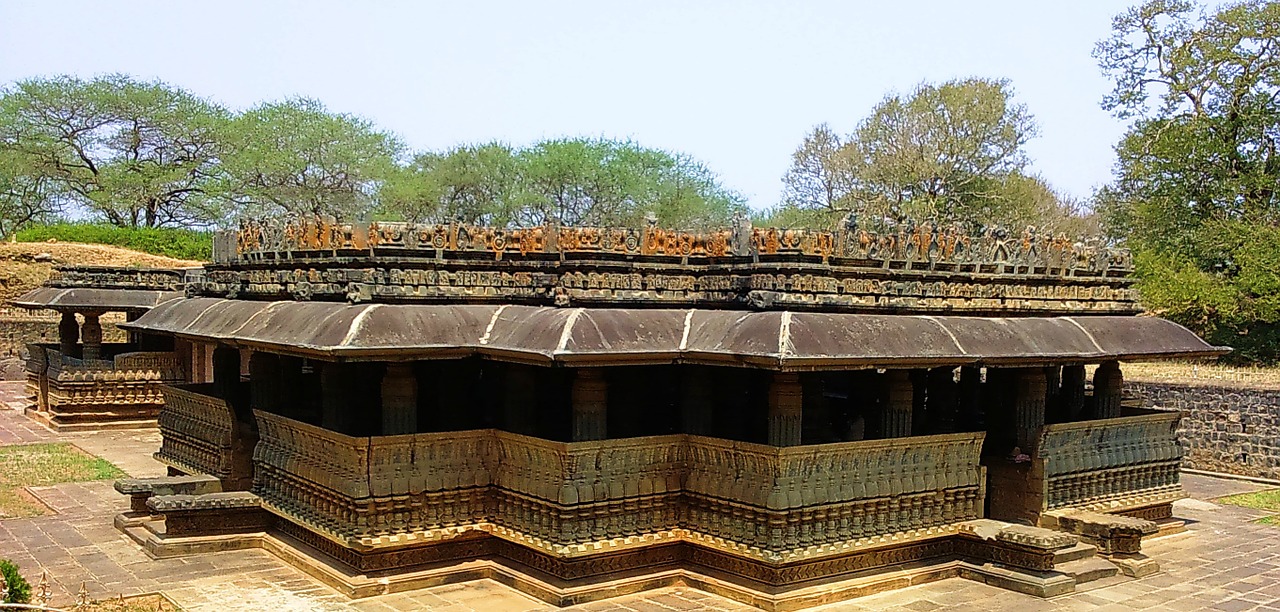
[[77, 299], [614, 336]]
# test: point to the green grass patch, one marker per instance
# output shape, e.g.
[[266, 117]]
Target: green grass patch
[[170, 242], [1261, 500], [34, 465]]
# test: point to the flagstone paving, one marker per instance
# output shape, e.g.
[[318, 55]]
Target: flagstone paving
[[1224, 561]]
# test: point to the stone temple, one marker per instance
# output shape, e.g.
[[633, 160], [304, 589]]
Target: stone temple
[[782, 417]]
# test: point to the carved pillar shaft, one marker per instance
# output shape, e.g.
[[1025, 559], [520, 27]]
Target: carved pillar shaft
[[895, 415], [590, 398], [1028, 408], [293, 396], [519, 398], [91, 336], [68, 334], [786, 403], [696, 398], [1108, 387], [919, 411], [1072, 396], [335, 383], [264, 382], [942, 400], [969, 417], [399, 400], [1053, 394]]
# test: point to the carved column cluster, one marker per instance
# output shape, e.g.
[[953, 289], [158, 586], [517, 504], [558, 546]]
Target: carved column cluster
[[786, 402], [895, 414], [1108, 384], [399, 400], [68, 334], [1072, 396], [1029, 407], [590, 398], [264, 382], [91, 336]]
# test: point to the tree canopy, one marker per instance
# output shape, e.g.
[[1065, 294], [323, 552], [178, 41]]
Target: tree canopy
[[574, 181], [297, 156], [136, 153], [952, 152], [1195, 189]]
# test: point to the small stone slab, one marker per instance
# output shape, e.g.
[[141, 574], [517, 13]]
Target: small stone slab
[[1111, 533], [141, 489], [1021, 535], [230, 500]]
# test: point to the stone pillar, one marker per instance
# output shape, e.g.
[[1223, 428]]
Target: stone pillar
[[895, 413], [1053, 394], [265, 391], [1072, 396], [226, 379], [1108, 384], [969, 413], [399, 400], [589, 396], [519, 399], [1028, 408], [293, 392], [696, 399], [786, 403], [91, 336], [919, 415], [942, 400], [68, 334], [335, 384]]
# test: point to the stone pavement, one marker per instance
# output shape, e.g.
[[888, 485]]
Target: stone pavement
[[1223, 562]]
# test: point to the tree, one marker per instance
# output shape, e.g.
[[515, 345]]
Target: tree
[[1195, 189], [26, 196], [951, 152], [571, 181], [135, 153], [296, 156]]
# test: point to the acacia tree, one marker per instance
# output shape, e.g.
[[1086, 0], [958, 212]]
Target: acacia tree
[[296, 156], [951, 152], [139, 154], [1195, 190], [571, 181]]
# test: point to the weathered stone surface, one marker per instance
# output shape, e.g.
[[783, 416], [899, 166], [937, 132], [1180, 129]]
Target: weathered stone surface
[[1109, 532], [122, 387], [1226, 428], [140, 490]]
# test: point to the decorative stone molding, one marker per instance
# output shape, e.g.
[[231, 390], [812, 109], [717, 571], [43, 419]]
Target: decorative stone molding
[[122, 389], [140, 490], [1110, 465], [568, 499], [200, 435]]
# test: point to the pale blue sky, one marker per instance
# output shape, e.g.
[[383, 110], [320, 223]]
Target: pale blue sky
[[736, 84]]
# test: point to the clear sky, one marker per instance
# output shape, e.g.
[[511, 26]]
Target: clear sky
[[737, 84]]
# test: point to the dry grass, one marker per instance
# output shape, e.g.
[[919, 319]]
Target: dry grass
[[33, 465], [1204, 373], [20, 272], [137, 603]]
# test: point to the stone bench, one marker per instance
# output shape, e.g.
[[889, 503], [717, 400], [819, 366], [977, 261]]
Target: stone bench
[[211, 513], [1111, 533], [140, 490]]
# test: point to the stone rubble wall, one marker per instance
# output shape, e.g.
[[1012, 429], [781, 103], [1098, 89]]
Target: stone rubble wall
[[1227, 428]]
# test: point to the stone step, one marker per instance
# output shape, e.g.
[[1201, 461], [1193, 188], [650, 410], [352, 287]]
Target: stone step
[[1088, 569], [1075, 553]]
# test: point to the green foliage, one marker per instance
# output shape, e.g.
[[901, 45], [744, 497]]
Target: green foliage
[[19, 588], [297, 157], [951, 152], [1195, 191], [574, 181], [136, 153], [166, 241]]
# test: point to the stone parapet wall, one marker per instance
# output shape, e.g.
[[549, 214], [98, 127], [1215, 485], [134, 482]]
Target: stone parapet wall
[[775, 504], [1233, 429], [123, 389], [1111, 464], [200, 435]]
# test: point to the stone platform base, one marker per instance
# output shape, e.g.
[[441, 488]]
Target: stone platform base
[[93, 422], [150, 533]]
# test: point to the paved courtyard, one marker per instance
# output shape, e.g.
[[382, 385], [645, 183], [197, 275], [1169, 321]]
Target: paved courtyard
[[1224, 561]]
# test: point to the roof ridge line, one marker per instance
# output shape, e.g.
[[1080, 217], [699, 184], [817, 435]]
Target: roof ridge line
[[1086, 333], [493, 320], [356, 323], [684, 336], [948, 332], [567, 330]]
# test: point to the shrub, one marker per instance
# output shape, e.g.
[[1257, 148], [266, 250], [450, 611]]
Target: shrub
[[170, 242], [19, 588]]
